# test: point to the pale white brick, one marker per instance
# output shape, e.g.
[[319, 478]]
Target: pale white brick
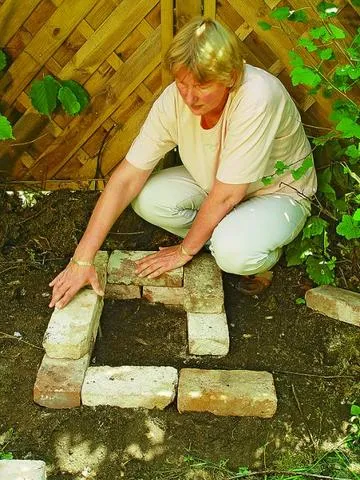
[[72, 330], [208, 334], [129, 386], [343, 305], [203, 285], [121, 269], [227, 392], [22, 470], [166, 295]]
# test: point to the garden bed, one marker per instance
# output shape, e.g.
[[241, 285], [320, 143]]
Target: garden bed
[[314, 359]]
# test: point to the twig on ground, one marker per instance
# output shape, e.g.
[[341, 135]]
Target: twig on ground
[[303, 417], [32, 216], [343, 277], [7, 335], [284, 472], [312, 374], [11, 268]]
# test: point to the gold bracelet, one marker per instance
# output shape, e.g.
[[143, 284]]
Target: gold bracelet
[[81, 263], [183, 251]]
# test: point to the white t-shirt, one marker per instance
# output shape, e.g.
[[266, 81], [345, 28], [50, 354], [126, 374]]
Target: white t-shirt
[[259, 126]]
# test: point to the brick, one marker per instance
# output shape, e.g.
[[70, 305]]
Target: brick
[[114, 291], [208, 334], [203, 285], [334, 302], [59, 381], [72, 330], [130, 386], [166, 295], [22, 470], [227, 392], [121, 269], [101, 261]]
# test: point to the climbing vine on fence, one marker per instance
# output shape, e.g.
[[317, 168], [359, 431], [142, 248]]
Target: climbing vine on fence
[[334, 226], [46, 96]]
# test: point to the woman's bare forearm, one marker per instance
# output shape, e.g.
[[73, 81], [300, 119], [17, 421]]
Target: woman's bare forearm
[[123, 186]]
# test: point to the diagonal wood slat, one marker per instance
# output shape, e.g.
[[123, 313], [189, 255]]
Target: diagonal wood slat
[[114, 48]]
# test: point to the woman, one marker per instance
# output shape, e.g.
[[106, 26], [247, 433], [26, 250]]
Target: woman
[[231, 123]]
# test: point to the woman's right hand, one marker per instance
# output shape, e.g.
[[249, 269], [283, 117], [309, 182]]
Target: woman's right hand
[[70, 281]]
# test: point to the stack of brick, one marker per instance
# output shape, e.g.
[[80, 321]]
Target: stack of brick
[[197, 288], [68, 343]]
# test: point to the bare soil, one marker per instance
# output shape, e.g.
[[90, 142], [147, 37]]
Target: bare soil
[[314, 359]]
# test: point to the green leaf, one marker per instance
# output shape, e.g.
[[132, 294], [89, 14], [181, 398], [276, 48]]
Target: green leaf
[[264, 25], [355, 409], [323, 139], [69, 101], [356, 3], [356, 215], [3, 60], [326, 54], [305, 76], [308, 44], [320, 33], [321, 270], [327, 10], [354, 73], [297, 252], [300, 172], [5, 128], [6, 456], [280, 13], [353, 153], [280, 167], [324, 179], [348, 128], [298, 16], [44, 93], [314, 226], [300, 301], [337, 32], [295, 59], [353, 53], [348, 228], [267, 180], [79, 91], [344, 108]]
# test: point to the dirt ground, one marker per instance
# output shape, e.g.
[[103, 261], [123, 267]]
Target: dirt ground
[[314, 359]]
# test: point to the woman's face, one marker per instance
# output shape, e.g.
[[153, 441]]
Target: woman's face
[[201, 98]]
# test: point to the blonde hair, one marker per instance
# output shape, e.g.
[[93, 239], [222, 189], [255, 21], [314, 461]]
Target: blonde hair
[[209, 50]]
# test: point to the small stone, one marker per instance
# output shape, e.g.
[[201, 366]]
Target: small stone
[[227, 392], [59, 381], [115, 291], [208, 334], [166, 295], [203, 285], [121, 269], [72, 330], [22, 470], [130, 386], [343, 305]]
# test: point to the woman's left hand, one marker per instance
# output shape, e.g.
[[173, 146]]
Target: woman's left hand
[[166, 259]]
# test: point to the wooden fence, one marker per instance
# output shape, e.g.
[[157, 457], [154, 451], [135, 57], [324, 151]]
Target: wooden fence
[[114, 48]]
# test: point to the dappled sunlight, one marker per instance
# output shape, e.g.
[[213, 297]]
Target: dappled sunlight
[[155, 435], [79, 456]]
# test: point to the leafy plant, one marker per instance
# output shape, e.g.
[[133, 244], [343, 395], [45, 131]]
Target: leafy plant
[[46, 95], [5, 438], [336, 213]]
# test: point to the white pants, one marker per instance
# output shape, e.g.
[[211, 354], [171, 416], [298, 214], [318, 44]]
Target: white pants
[[248, 240]]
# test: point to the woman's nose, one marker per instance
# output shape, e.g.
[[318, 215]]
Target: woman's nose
[[189, 96]]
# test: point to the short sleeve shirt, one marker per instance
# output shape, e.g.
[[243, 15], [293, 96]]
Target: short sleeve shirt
[[259, 126]]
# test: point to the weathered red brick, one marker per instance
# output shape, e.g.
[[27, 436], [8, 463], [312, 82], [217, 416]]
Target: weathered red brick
[[166, 295]]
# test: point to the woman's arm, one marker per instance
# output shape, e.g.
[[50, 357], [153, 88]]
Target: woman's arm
[[124, 185], [221, 200]]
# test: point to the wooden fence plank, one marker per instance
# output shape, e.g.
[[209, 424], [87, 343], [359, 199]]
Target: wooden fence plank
[[185, 10], [210, 8], [12, 16], [124, 81], [167, 34], [56, 30], [112, 32]]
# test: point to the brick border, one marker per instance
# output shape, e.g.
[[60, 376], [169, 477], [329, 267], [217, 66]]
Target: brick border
[[65, 380]]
